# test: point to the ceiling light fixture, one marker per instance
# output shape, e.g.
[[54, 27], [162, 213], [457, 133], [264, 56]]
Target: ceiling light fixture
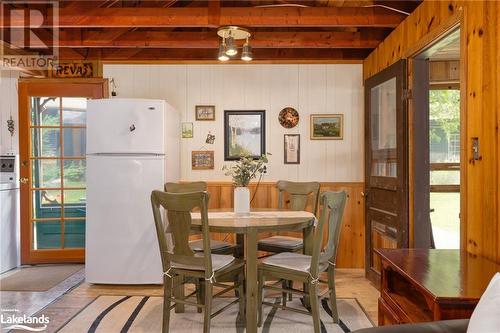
[[229, 35], [222, 51], [246, 53], [231, 49]]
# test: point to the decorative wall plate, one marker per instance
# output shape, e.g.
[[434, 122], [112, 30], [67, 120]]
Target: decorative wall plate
[[288, 117]]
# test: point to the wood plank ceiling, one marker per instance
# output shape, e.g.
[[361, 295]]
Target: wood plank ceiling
[[180, 30]]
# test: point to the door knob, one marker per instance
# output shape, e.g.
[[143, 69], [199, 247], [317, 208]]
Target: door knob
[[363, 194], [24, 180]]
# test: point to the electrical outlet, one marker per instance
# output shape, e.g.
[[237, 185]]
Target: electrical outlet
[[266, 169]]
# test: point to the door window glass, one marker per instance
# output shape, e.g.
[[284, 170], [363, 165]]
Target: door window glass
[[58, 146], [384, 129]]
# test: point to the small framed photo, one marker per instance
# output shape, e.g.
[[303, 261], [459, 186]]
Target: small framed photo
[[210, 138], [292, 149], [244, 134], [202, 160], [205, 112], [327, 126], [187, 130]]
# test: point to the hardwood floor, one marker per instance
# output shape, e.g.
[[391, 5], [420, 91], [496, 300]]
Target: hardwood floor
[[350, 283]]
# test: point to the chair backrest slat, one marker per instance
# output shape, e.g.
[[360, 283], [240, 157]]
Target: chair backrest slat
[[180, 227], [179, 207], [298, 193], [332, 211], [185, 187]]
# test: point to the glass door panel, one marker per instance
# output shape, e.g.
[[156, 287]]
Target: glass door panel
[[47, 235], [58, 172], [383, 108]]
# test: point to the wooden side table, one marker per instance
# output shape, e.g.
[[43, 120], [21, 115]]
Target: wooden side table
[[419, 285]]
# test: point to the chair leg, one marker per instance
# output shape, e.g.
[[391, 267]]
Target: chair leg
[[200, 290], [313, 293], [207, 307], [179, 292], [167, 294], [290, 286], [333, 295], [284, 294], [236, 290], [242, 300], [260, 297]]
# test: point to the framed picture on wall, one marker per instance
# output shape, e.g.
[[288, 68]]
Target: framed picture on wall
[[327, 126], [244, 134], [205, 112], [202, 160], [187, 130], [292, 149]]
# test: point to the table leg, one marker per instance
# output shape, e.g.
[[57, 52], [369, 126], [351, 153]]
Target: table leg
[[240, 242], [308, 235], [251, 280]]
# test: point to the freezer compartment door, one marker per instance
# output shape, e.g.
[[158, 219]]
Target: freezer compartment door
[[121, 242], [125, 126]]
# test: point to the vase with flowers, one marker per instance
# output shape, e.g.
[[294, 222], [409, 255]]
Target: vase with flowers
[[244, 170]]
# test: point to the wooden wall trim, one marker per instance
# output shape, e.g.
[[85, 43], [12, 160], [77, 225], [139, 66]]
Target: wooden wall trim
[[351, 249]]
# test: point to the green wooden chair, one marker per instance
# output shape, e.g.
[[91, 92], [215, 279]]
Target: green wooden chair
[[217, 247], [305, 268], [180, 262], [299, 193]]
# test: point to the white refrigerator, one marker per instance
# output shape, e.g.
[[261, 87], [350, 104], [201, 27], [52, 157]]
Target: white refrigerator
[[132, 149]]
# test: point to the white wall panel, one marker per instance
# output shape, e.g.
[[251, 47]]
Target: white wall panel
[[335, 88], [8, 107]]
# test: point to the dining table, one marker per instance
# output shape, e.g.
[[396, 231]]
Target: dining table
[[247, 226]]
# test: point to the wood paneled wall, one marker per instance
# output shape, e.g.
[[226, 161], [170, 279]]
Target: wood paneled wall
[[443, 72], [351, 249], [480, 24]]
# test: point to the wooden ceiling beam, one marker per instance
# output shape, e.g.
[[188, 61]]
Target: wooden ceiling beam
[[118, 38], [136, 54], [204, 17]]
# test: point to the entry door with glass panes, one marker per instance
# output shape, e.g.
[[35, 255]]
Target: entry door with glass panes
[[386, 167], [53, 196]]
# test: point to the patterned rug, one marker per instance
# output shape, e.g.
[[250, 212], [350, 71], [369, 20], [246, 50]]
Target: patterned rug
[[138, 314]]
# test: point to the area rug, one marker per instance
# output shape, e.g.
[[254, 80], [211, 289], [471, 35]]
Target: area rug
[[138, 314], [37, 278]]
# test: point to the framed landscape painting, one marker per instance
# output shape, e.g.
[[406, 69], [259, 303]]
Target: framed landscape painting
[[244, 134], [327, 126], [187, 130]]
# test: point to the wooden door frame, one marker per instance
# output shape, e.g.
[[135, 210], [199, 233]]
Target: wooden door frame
[[45, 87], [458, 20], [401, 183]]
